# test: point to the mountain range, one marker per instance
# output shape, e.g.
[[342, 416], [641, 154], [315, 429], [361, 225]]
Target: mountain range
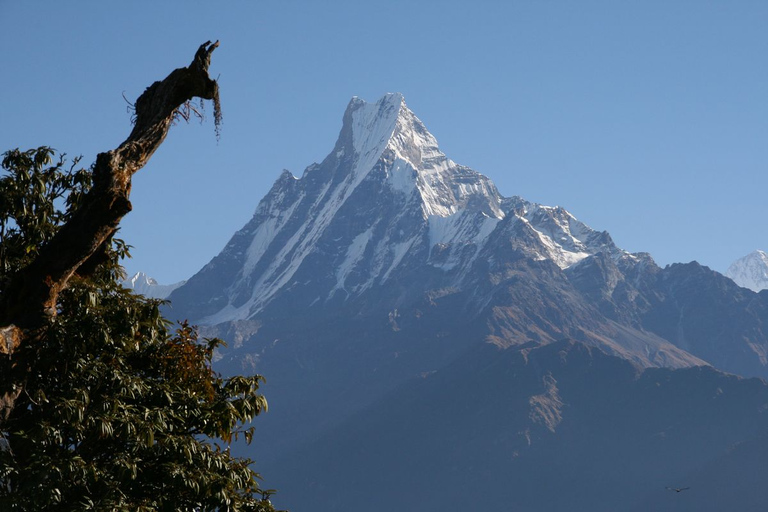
[[432, 344]]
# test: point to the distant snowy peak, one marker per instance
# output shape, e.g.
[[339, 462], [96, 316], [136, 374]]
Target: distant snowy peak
[[751, 271], [142, 284]]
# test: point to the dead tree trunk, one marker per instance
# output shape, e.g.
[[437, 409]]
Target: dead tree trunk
[[31, 296]]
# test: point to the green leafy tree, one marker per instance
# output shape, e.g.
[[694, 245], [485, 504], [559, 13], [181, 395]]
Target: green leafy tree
[[118, 410]]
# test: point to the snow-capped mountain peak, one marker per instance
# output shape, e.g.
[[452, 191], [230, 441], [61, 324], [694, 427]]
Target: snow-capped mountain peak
[[384, 202], [751, 271]]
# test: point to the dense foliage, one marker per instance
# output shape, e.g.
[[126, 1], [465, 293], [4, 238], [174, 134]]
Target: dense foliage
[[36, 197], [119, 411]]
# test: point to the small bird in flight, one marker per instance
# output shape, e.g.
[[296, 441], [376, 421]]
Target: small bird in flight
[[678, 489]]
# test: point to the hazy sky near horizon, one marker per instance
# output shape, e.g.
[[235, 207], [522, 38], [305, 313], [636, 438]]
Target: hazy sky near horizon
[[648, 119]]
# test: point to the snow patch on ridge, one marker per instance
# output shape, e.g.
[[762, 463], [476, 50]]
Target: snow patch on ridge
[[398, 252], [459, 227], [567, 240], [354, 254], [455, 232], [402, 176], [264, 235]]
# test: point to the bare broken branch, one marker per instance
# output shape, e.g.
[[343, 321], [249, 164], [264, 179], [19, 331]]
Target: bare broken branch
[[31, 295]]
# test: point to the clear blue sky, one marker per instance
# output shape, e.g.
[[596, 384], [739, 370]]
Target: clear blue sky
[[648, 119]]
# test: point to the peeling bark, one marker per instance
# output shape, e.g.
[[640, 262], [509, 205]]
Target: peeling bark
[[31, 296]]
